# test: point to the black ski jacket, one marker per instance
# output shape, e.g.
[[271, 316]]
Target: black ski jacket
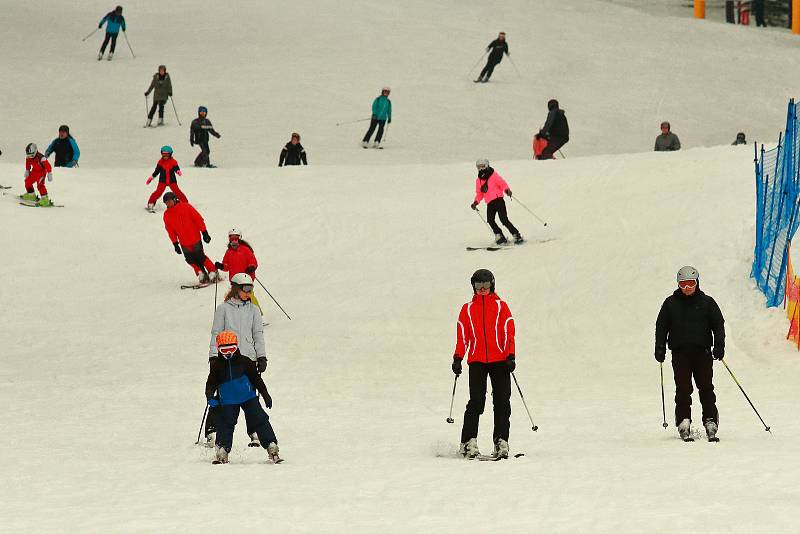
[[293, 155], [497, 49], [556, 125], [690, 322], [199, 130]]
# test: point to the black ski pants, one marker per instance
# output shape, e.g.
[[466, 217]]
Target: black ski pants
[[109, 37], [196, 256], [501, 399], [203, 158], [372, 124], [758, 10], [489, 68], [160, 105], [697, 362], [254, 414], [553, 145], [498, 207]]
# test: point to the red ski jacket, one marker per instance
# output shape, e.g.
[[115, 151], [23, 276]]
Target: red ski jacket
[[238, 259], [37, 167], [485, 330], [166, 170], [184, 224]]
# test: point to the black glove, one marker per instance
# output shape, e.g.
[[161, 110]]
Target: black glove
[[456, 366], [718, 353], [268, 401], [100, 26], [660, 354], [474, 206], [191, 143], [177, 248], [206, 237], [219, 266], [261, 364], [508, 192], [511, 364], [250, 269]]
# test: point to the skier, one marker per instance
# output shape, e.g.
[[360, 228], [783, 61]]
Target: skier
[[667, 141], [185, 226], [740, 139], [758, 11], [65, 147], [381, 113], [162, 85], [489, 187], [555, 130], [114, 21], [485, 334], [198, 134], [293, 153], [686, 322], [37, 168], [234, 379], [239, 258], [167, 170], [237, 313], [496, 49]]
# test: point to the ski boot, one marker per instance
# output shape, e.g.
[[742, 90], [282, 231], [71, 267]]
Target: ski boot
[[110, 55], [151, 208], [254, 440], [44, 202], [376, 144], [99, 56], [272, 452], [518, 240], [500, 239], [149, 123], [210, 438], [161, 121], [684, 429], [29, 197], [711, 430], [479, 80], [469, 449], [364, 144], [501, 448], [202, 278], [221, 456]]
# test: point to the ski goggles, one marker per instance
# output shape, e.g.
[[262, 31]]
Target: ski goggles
[[687, 284], [227, 350], [233, 238], [247, 288], [482, 285]]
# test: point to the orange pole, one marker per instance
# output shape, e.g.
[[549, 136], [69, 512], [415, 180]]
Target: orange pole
[[796, 16], [700, 9]]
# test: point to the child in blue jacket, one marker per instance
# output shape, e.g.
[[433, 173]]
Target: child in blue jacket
[[381, 112]]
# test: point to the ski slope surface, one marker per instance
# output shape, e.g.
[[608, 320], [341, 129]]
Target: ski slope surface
[[105, 359]]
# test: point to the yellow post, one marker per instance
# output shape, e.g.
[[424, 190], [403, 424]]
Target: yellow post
[[795, 16], [700, 9]]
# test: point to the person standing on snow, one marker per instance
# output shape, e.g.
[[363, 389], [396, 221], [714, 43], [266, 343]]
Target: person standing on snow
[[167, 170], [667, 141], [555, 130], [198, 135], [239, 258], [162, 87], [489, 187], [65, 147], [185, 226], [293, 153], [485, 335], [381, 112], [36, 169], [231, 385], [238, 314], [690, 322], [496, 49], [114, 21]]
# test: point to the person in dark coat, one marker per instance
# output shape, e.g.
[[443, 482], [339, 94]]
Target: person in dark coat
[[293, 153], [65, 148], [758, 11], [496, 49], [690, 323], [555, 130], [667, 141], [198, 135], [740, 139]]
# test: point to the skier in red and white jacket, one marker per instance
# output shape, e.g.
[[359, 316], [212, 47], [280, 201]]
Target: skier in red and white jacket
[[185, 226], [37, 168], [239, 258], [485, 335]]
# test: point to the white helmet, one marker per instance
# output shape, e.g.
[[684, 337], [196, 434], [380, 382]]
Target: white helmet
[[482, 163], [31, 150], [241, 279], [688, 273], [234, 231], [387, 89]]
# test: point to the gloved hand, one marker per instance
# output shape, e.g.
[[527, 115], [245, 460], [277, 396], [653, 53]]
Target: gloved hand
[[191, 143], [27, 173], [213, 403], [390, 121], [177, 248], [660, 353], [250, 269], [474, 206], [149, 179], [718, 353], [206, 237], [217, 135], [146, 93], [508, 192], [178, 172], [99, 25], [261, 364], [49, 176], [268, 401], [219, 266], [511, 363], [456, 366]]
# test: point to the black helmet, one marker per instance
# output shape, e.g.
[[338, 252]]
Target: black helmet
[[169, 195], [63, 128], [552, 104], [482, 275]]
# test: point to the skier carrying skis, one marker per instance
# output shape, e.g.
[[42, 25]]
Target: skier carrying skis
[[239, 258], [496, 49], [293, 153], [198, 135], [162, 87], [687, 322], [185, 226], [489, 187], [37, 168], [65, 147], [555, 130], [485, 334], [114, 21], [381, 112], [234, 379], [238, 314], [167, 170]]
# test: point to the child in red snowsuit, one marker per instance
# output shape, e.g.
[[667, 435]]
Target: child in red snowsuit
[[167, 170], [37, 168]]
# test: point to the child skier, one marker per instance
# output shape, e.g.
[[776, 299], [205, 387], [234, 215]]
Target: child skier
[[185, 226], [485, 334], [65, 148], [489, 187], [167, 170], [381, 113], [162, 87], [198, 135], [235, 380], [37, 168], [114, 21], [293, 153], [239, 258]]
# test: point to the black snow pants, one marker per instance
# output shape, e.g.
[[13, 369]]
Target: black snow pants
[[160, 104], [255, 416], [501, 399], [372, 124], [113, 38], [498, 207], [203, 158], [697, 362], [553, 145], [489, 68]]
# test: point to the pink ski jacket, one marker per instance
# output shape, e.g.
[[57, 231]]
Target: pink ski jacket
[[497, 187]]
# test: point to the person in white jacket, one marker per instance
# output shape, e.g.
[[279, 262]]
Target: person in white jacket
[[239, 314]]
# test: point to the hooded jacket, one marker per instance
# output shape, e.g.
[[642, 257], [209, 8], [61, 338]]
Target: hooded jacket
[[485, 330], [66, 150], [382, 108], [690, 322], [496, 50], [556, 125], [244, 318], [162, 87], [184, 224], [495, 186], [115, 22], [199, 130], [236, 379]]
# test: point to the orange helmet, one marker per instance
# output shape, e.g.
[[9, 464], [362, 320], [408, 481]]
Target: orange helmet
[[228, 340]]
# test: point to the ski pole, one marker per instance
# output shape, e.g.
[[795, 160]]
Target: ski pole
[[477, 211], [477, 62], [95, 31], [202, 422], [273, 299], [561, 154], [175, 110], [352, 122], [515, 67], [385, 133], [216, 285], [528, 210], [146, 106], [450, 419], [663, 406], [533, 426], [125, 34], [745, 396]]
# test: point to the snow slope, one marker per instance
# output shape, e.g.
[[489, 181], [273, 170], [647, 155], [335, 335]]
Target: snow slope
[[104, 358]]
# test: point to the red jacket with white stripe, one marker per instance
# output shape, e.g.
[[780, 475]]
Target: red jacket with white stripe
[[485, 330]]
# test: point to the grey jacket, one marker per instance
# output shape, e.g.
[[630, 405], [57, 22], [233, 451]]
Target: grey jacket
[[244, 319], [668, 142]]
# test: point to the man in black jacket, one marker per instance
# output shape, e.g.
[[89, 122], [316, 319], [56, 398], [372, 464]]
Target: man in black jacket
[[496, 49], [198, 134], [293, 153], [555, 130], [690, 322]]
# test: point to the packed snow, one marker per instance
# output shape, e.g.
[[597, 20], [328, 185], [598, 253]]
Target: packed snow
[[105, 358]]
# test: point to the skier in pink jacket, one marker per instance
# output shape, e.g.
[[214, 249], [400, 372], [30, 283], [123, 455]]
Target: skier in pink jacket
[[490, 186]]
